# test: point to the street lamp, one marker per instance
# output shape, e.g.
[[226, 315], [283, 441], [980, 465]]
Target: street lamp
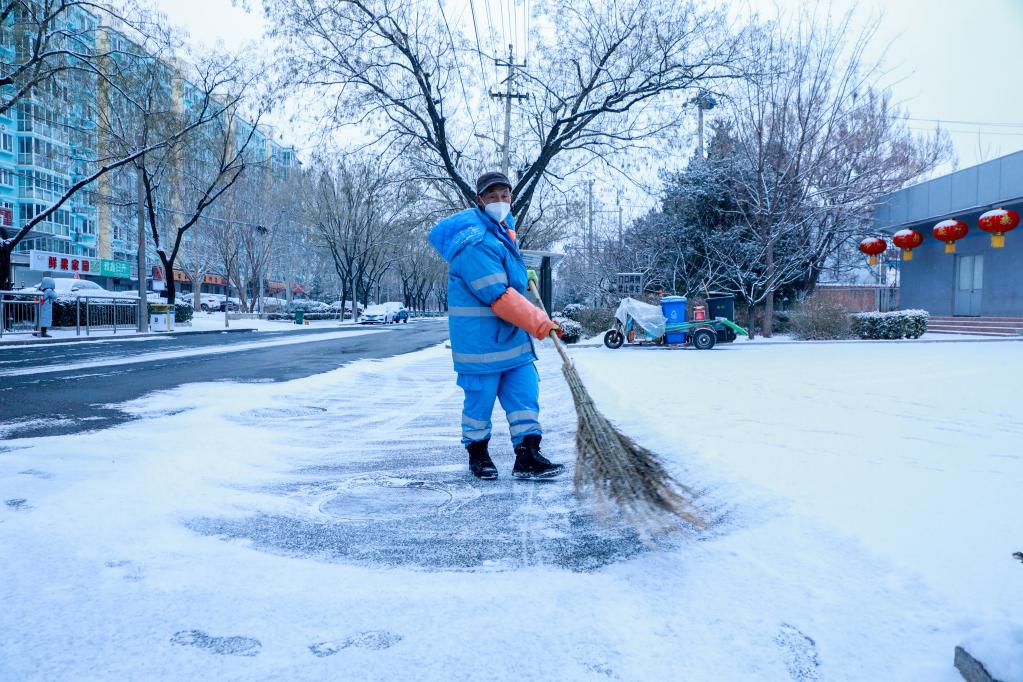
[[261, 231], [704, 102]]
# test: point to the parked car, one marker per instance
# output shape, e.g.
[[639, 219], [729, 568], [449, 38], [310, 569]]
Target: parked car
[[400, 312], [385, 313], [215, 302], [68, 287], [338, 306]]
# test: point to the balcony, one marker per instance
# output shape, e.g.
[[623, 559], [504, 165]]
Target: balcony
[[85, 239]]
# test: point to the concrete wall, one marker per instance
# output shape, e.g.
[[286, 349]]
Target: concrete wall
[[928, 281]]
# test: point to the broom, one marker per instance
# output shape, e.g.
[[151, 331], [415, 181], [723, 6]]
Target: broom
[[616, 470]]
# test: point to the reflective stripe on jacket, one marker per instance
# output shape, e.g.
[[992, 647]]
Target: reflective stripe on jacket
[[483, 263]]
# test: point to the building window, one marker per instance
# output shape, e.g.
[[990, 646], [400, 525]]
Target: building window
[[7, 142], [6, 177]]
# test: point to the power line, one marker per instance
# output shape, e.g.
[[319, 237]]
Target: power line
[[983, 133], [991, 124]]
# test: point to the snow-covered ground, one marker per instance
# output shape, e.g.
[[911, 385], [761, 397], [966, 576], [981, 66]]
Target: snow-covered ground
[[866, 498]]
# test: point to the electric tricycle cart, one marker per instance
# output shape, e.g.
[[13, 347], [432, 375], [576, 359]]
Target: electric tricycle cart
[[638, 323]]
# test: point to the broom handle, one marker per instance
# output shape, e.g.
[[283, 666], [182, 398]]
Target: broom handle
[[554, 335]]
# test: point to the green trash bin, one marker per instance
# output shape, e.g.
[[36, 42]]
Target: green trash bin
[[299, 317]]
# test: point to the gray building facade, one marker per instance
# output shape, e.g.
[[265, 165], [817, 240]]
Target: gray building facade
[[977, 280]]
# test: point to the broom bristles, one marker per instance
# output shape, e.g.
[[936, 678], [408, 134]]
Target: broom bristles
[[620, 473]]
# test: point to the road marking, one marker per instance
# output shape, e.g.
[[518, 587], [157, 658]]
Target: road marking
[[187, 353]]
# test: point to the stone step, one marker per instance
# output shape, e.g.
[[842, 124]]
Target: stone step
[[972, 331], [1017, 321]]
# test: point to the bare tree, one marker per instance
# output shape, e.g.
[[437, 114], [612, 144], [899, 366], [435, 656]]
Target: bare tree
[[816, 144], [62, 51], [598, 86], [358, 211]]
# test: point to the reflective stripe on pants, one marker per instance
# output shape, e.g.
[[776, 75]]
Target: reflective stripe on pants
[[518, 390]]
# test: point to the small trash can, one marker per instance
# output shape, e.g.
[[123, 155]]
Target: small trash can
[[674, 309], [161, 317], [299, 317], [721, 306]]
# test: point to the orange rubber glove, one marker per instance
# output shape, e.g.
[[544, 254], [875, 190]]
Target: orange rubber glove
[[516, 309]]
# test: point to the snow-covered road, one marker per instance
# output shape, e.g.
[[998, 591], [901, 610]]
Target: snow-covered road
[[326, 528], [114, 361]]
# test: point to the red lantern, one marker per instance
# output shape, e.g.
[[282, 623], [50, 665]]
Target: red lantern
[[998, 222], [907, 240], [949, 231], [873, 247]]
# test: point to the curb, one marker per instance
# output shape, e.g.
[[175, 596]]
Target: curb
[[79, 339]]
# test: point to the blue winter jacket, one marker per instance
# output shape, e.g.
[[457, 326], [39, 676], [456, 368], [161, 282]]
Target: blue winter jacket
[[46, 307], [483, 262]]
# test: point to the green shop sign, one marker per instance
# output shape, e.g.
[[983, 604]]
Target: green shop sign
[[114, 268]]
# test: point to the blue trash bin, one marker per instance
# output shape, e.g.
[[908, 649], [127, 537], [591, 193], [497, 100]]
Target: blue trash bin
[[674, 309]]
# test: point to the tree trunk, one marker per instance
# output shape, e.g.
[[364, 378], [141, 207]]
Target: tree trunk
[[6, 268], [197, 296], [769, 300], [168, 274]]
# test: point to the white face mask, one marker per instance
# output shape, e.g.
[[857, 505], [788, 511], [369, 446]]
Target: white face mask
[[498, 210]]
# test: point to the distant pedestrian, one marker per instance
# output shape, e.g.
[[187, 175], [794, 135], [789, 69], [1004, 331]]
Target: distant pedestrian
[[491, 321], [46, 286]]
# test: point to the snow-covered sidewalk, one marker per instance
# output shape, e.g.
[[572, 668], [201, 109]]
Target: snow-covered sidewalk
[[327, 528]]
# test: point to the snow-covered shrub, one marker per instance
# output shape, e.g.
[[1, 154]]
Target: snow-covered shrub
[[183, 311], [307, 306], [572, 310], [571, 331], [898, 324], [916, 322], [595, 320], [816, 319]]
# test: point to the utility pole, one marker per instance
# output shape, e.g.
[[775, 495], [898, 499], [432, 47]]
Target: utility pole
[[589, 223], [508, 95], [618, 200], [140, 192]]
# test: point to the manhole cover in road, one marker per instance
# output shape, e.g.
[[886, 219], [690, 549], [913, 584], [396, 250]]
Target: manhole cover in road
[[386, 500]]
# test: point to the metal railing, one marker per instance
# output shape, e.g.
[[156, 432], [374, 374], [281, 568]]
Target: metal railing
[[99, 313], [19, 312]]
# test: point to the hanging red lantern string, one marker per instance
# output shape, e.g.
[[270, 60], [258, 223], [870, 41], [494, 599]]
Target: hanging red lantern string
[[907, 240], [950, 231], [998, 222], [873, 247]]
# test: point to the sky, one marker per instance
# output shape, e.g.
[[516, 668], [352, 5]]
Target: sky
[[947, 61]]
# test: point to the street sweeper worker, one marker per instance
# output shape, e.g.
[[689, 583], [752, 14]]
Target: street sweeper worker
[[491, 320]]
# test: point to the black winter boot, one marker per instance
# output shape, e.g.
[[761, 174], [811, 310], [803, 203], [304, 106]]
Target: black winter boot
[[529, 463], [479, 460]]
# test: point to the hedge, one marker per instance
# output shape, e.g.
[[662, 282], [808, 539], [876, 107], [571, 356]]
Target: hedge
[[307, 316], [64, 312], [571, 330], [898, 324]]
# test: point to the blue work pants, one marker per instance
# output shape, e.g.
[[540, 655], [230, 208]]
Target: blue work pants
[[518, 390]]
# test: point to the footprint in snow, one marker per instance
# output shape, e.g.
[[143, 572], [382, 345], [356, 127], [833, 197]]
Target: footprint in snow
[[602, 669], [370, 639], [38, 474], [131, 572], [799, 653], [225, 646], [17, 504]]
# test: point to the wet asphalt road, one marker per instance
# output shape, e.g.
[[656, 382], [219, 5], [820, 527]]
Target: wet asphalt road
[[71, 401]]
